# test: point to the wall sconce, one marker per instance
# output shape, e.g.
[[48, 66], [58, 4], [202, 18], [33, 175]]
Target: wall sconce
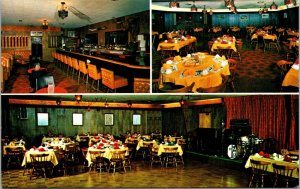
[[194, 8], [174, 4], [45, 25], [63, 11], [106, 104], [233, 9], [129, 104], [78, 98], [273, 6], [204, 11], [229, 3], [58, 102], [181, 102]]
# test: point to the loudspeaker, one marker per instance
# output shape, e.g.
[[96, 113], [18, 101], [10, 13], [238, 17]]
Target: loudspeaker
[[241, 127]]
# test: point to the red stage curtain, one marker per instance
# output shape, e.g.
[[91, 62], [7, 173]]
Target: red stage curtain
[[270, 116]]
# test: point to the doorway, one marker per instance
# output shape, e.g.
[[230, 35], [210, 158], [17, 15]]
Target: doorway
[[36, 49]]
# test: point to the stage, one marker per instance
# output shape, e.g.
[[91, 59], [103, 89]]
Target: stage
[[217, 160]]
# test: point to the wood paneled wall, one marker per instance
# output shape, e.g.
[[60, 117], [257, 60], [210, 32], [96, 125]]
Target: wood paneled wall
[[143, 24], [174, 119], [16, 32], [60, 122]]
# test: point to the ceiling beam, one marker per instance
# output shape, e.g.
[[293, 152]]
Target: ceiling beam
[[32, 102]]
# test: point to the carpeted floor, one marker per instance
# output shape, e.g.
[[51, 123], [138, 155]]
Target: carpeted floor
[[19, 81], [256, 73]]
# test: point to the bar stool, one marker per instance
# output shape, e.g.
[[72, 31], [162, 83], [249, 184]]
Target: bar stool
[[83, 70], [75, 66], [259, 171], [69, 64], [112, 81], [95, 74], [283, 173], [141, 85]]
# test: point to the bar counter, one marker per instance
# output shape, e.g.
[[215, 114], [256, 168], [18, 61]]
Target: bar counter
[[130, 71]]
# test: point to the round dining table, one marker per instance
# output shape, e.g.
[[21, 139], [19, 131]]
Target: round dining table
[[184, 73], [56, 90], [32, 69]]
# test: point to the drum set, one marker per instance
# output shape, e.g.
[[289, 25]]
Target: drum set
[[243, 146]]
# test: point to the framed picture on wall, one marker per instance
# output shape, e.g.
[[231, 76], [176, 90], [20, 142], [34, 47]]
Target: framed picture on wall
[[109, 119], [205, 120], [136, 119], [77, 119], [42, 119]]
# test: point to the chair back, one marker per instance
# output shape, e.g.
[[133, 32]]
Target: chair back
[[108, 78], [38, 158], [42, 82], [141, 85], [181, 90], [118, 155], [14, 151], [93, 72], [171, 150], [82, 67], [96, 155], [283, 170], [232, 66], [75, 64], [219, 88], [259, 167]]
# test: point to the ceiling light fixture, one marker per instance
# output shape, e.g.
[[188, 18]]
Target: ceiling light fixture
[[273, 6], [63, 11], [174, 4], [229, 3], [290, 2], [265, 9], [260, 11], [204, 10], [45, 25], [194, 8]]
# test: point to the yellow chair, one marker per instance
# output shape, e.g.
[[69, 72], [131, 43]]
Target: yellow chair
[[259, 172], [141, 85], [75, 65], [283, 173], [83, 70], [95, 74], [112, 81], [169, 89]]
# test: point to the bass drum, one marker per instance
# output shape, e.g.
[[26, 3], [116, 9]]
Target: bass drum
[[241, 149], [232, 151]]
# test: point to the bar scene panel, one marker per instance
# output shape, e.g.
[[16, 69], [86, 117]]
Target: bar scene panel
[[75, 46]]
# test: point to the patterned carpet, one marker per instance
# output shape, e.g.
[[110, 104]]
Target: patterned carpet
[[257, 73], [19, 81]]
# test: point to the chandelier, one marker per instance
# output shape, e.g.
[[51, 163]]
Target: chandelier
[[273, 6], [290, 2], [229, 3], [194, 8], [204, 11], [63, 11], [45, 25], [174, 4]]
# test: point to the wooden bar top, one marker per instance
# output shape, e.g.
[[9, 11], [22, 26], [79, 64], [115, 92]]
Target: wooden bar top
[[110, 61]]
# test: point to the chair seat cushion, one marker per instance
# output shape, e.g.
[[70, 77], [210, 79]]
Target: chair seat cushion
[[120, 81]]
